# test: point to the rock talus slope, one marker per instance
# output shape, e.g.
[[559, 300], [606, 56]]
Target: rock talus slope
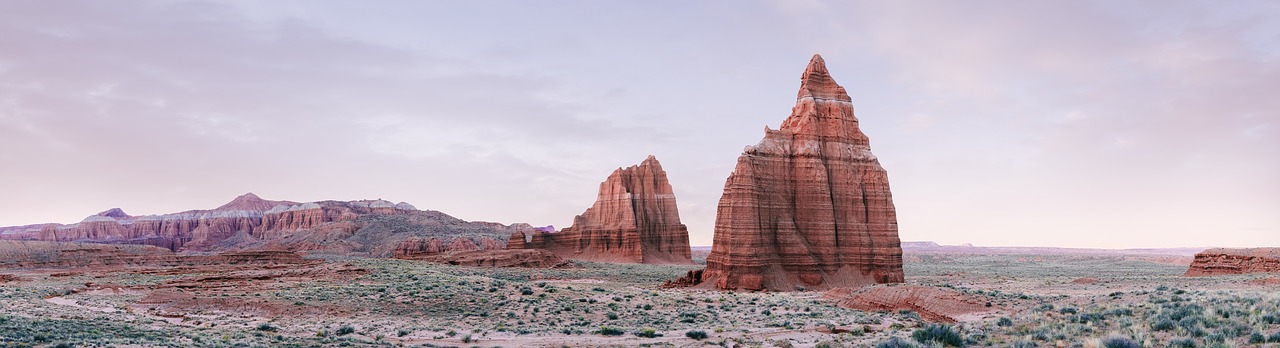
[[634, 220], [809, 206]]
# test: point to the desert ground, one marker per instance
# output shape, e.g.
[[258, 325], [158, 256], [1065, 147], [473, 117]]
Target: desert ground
[[1040, 299]]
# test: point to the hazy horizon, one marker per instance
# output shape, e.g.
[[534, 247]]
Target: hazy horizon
[[1093, 124]]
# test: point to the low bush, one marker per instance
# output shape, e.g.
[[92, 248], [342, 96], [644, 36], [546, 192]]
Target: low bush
[[896, 343], [648, 332], [610, 331], [940, 334], [696, 334], [1120, 342]]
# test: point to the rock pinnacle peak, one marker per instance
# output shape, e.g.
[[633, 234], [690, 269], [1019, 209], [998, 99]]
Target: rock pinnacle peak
[[816, 82]]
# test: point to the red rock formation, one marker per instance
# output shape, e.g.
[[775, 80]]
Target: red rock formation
[[1224, 261], [366, 227], [933, 304], [417, 247], [634, 220], [809, 206], [192, 230]]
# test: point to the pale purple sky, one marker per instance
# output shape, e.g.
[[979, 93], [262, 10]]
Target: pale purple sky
[[1031, 123]]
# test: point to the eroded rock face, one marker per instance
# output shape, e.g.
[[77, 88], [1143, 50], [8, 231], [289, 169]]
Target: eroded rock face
[[634, 220], [366, 227], [193, 230], [809, 206], [417, 247], [1224, 261]]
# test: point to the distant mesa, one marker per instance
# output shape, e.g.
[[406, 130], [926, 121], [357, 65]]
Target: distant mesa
[[634, 220], [808, 207], [920, 245], [1223, 261], [376, 228]]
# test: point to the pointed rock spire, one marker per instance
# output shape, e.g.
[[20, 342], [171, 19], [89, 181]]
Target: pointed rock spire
[[807, 208], [817, 83]]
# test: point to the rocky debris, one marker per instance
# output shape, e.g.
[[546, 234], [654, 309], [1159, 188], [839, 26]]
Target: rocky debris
[[525, 258], [809, 206], [933, 304], [5, 278], [634, 220], [690, 279], [1223, 261]]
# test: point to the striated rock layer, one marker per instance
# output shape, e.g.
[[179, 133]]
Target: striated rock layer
[[809, 206], [375, 228], [1224, 261], [634, 220]]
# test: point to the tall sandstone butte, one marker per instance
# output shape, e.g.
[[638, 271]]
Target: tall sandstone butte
[[809, 206], [634, 220]]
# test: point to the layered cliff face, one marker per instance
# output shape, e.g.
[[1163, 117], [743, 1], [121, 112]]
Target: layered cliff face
[[1223, 261], [634, 220], [191, 230], [809, 206], [368, 227]]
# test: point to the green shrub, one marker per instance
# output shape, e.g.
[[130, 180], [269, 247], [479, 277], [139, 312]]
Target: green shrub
[[1164, 325], [696, 334], [1004, 321], [266, 327], [345, 330], [610, 331], [940, 334], [648, 332]]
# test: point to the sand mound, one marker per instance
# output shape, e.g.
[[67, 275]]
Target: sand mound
[[933, 304]]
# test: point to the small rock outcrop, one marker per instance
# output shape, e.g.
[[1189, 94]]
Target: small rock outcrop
[[809, 206], [933, 304], [1223, 261], [634, 220]]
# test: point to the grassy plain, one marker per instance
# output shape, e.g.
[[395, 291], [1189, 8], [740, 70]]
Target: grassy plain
[[1042, 301]]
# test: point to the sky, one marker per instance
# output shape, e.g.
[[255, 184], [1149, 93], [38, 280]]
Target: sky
[[1107, 124]]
